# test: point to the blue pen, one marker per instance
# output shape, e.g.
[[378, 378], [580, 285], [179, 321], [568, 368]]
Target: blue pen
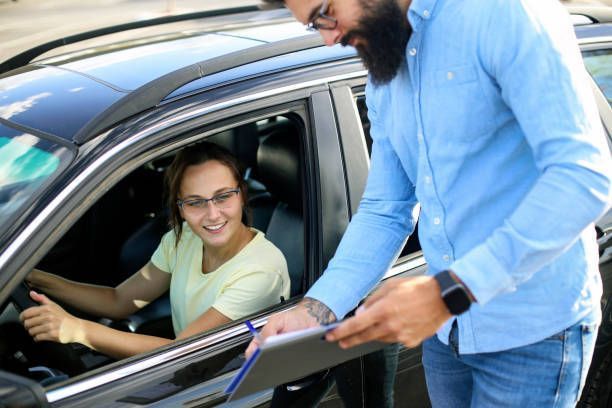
[[253, 331]]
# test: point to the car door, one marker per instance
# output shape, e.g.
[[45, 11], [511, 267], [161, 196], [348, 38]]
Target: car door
[[193, 372], [597, 55]]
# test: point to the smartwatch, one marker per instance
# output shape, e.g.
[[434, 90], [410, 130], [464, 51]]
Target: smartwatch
[[454, 294]]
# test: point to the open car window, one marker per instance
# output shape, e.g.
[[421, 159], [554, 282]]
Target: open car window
[[118, 234]]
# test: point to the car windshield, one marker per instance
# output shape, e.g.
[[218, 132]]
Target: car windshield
[[599, 65], [27, 162]]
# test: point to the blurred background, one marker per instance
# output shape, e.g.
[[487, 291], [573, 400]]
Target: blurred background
[[27, 23]]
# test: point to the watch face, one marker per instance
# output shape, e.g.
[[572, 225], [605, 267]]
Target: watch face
[[453, 293], [456, 299]]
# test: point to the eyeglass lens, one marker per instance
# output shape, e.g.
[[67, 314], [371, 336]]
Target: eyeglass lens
[[221, 200]]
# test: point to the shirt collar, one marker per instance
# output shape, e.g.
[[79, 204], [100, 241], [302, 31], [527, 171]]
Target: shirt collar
[[420, 11]]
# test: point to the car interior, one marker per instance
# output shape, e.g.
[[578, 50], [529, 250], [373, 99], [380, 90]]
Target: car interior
[[118, 234]]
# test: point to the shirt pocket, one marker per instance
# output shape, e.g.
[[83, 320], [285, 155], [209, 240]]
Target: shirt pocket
[[454, 105], [454, 76]]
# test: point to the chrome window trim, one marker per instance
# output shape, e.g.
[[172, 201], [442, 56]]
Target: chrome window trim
[[582, 42], [405, 264], [581, 19], [55, 395], [601, 44], [67, 391]]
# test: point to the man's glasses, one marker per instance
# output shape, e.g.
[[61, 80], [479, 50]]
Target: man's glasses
[[197, 205], [322, 21]]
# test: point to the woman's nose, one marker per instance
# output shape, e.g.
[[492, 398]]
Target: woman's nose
[[212, 212]]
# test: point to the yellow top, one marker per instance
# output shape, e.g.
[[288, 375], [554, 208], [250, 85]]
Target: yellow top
[[255, 278]]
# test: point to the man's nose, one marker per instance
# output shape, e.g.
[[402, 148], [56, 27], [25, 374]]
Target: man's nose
[[331, 37]]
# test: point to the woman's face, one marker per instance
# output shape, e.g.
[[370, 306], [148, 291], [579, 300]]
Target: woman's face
[[215, 223]]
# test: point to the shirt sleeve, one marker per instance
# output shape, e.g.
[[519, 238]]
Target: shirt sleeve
[[536, 62], [375, 234], [165, 252], [249, 293]]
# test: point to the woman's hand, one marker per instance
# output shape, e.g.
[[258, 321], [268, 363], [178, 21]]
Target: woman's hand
[[50, 322]]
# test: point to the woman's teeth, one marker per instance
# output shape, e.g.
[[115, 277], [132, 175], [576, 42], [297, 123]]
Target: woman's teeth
[[214, 227]]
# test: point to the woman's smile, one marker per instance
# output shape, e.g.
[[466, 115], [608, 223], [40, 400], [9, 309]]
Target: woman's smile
[[215, 228]]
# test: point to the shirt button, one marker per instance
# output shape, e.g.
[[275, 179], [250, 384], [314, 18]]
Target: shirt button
[[412, 52], [450, 75], [426, 13], [427, 179], [437, 221], [446, 258], [420, 137]]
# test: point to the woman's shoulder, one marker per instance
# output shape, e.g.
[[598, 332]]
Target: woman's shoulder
[[264, 251], [187, 238], [260, 241]]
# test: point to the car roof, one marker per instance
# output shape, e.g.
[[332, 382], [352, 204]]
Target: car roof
[[77, 95]]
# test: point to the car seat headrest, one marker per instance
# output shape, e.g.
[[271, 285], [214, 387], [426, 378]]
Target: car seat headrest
[[242, 141], [278, 164]]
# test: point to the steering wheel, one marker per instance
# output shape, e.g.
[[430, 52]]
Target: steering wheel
[[21, 297], [47, 353]]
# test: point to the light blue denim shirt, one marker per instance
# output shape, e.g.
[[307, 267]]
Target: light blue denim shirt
[[491, 126]]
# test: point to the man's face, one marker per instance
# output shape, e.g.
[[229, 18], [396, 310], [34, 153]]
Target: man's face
[[376, 28]]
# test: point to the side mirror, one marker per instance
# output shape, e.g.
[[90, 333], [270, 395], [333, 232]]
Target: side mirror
[[16, 391]]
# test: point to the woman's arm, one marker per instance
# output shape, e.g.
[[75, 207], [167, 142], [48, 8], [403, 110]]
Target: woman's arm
[[49, 322], [134, 293], [207, 320]]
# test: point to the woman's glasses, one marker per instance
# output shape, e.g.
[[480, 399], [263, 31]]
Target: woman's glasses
[[197, 205]]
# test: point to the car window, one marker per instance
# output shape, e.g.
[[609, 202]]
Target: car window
[[26, 163], [119, 233], [599, 65], [412, 245]]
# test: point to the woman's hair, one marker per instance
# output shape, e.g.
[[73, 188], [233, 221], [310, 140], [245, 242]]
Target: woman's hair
[[194, 155]]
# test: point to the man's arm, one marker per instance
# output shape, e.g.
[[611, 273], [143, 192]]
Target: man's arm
[[384, 219], [317, 310], [535, 60]]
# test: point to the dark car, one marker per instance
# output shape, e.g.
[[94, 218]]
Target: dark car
[[85, 137]]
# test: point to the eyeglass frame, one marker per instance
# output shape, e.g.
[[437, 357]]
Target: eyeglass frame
[[312, 25], [205, 201]]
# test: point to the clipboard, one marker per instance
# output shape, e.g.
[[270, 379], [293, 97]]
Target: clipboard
[[290, 356]]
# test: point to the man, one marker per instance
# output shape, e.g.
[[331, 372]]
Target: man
[[482, 113]]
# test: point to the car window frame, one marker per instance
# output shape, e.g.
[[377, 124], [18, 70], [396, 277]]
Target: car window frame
[[132, 159]]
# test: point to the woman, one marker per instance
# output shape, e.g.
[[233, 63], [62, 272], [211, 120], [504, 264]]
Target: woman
[[217, 268]]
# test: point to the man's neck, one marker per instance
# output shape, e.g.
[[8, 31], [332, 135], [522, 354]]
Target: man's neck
[[404, 5]]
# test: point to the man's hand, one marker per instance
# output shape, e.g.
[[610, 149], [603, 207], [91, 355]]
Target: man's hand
[[308, 313], [50, 322], [404, 310]]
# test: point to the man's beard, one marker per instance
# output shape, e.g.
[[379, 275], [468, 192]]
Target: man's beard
[[385, 33]]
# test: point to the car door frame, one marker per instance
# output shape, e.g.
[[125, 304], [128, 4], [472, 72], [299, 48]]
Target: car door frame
[[97, 176]]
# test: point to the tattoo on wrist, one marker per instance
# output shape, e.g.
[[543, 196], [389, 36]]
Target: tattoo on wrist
[[321, 313]]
